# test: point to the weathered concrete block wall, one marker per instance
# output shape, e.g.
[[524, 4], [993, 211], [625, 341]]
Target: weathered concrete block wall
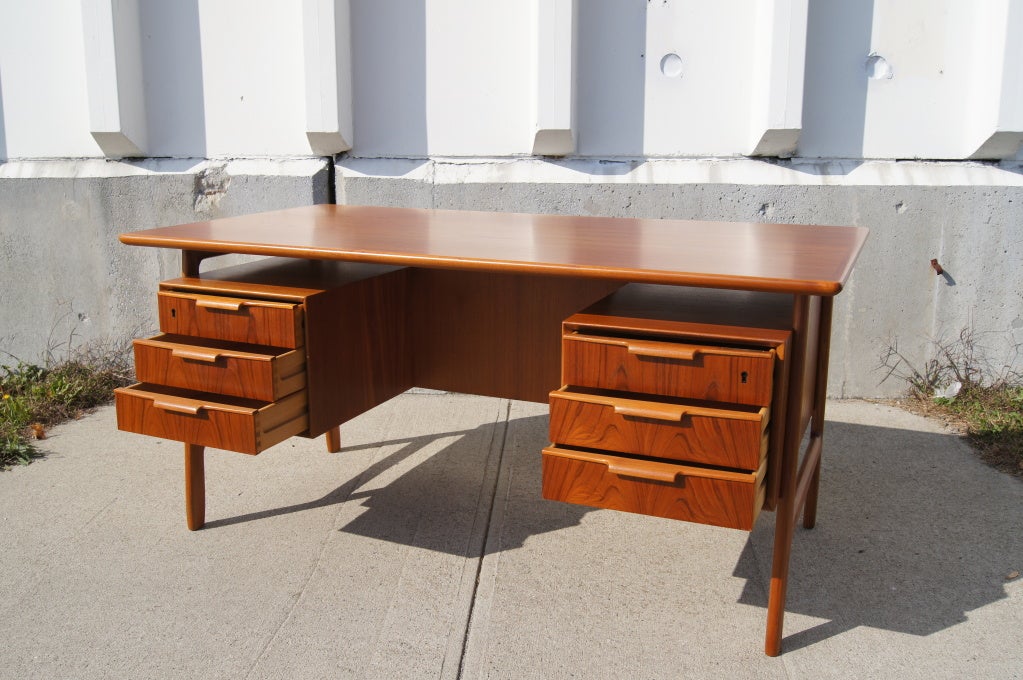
[[967, 216], [64, 276]]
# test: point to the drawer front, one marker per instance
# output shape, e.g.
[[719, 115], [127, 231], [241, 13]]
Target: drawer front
[[233, 369], [241, 425], [679, 431], [726, 499], [709, 373], [258, 322]]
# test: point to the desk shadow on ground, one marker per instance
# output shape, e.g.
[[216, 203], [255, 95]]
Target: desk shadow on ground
[[910, 537], [913, 533], [435, 503]]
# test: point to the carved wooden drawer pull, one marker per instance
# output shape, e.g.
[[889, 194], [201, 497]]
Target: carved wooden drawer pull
[[228, 304]]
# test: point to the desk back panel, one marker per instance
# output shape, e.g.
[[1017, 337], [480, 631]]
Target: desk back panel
[[493, 334]]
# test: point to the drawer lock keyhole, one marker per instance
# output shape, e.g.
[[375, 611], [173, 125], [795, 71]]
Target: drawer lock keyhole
[[744, 376], [174, 314]]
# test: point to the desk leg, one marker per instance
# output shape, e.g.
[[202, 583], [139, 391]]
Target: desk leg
[[191, 259], [784, 520], [810, 509], [334, 439], [195, 486], [819, 401], [779, 579]]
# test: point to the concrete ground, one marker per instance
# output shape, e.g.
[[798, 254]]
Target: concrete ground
[[423, 550]]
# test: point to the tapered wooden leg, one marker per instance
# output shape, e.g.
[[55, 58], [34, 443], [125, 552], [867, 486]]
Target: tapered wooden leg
[[195, 486], [334, 440], [779, 580], [785, 518]]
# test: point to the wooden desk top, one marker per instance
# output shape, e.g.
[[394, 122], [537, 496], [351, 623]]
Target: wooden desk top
[[746, 256]]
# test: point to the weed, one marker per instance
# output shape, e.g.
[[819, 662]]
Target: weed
[[992, 418], [962, 360], [33, 397], [988, 406]]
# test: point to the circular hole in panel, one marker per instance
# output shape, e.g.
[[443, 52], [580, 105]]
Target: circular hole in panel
[[878, 68], [671, 65]]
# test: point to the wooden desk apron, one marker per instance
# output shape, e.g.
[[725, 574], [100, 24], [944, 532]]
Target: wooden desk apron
[[683, 361]]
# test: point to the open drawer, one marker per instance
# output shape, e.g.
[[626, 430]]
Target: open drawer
[[232, 423], [235, 369], [650, 487]]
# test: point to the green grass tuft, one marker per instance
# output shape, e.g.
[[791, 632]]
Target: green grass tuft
[[34, 398], [993, 420]]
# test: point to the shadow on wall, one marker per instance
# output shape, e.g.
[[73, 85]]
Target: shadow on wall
[[902, 542], [172, 72], [835, 81], [611, 72], [389, 78], [823, 167], [1016, 167]]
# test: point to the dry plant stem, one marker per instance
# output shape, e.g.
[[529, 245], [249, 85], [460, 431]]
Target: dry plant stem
[[964, 360], [988, 408]]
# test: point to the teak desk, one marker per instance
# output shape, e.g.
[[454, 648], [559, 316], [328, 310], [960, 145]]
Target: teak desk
[[683, 361]]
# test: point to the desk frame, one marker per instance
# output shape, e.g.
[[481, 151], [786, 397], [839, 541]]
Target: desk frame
[[570, 260]]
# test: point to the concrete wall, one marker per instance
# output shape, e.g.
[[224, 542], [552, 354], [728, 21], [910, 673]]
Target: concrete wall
[[655, 108]]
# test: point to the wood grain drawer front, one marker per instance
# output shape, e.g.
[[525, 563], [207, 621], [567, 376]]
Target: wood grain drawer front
[[258, 322], [242, 425], [704, 372], [693, 494], [235, 369], [733, 438]]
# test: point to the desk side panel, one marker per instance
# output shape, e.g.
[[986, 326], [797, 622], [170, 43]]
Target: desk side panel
[[357, 342]]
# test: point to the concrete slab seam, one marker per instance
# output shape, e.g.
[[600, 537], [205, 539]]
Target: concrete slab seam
[[331, 528], [299, 597], [492, 520]]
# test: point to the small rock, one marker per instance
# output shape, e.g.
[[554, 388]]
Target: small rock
[[949, 391], [1012, 574]]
